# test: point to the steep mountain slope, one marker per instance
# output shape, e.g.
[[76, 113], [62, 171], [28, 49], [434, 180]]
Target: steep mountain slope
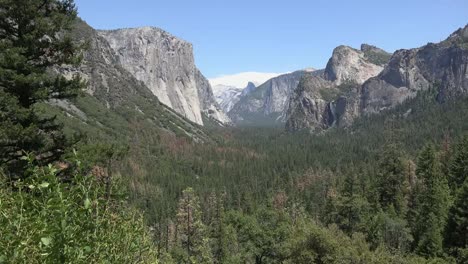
[[266, 104], [408, 72], [115, 102], [209, 105], [165, 64], [331, 98], [228, 96], [443, 65]]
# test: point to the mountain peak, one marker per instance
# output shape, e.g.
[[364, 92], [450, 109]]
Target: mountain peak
[[250, 85], [371, 48], [460, 35], [349, 64], [250, 88]]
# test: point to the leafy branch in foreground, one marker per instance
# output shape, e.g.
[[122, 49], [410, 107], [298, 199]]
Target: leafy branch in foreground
[[45, 220]]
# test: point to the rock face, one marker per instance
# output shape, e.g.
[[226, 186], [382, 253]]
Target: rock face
[[330, 97], [165, 64], [227, 96], [116, 92], [268, 103], [348, 64], [343, 93], [208, 103], [442, 65]]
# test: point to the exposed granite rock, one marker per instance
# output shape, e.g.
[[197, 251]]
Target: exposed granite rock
[[250, 88], [165, 64], [118, 90], [268, 103], [317, 105], [331, 98], [348, 64], [442, 65], [227, 96], [207, 100]]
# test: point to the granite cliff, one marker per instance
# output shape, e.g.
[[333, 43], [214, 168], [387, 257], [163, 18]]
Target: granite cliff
[[329, 97], [165, 64], [367, 81]]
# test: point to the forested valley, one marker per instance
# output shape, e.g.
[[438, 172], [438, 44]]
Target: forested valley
[[391, 188]]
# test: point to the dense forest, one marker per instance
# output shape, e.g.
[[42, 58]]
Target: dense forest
[[392, 188]]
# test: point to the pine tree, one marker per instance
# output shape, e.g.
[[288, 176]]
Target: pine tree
[[191, 231], [216, 226], [34, 40], [392, 180], [457, 226], [430, 241], [459, 165], [351, 205], [433, 204]]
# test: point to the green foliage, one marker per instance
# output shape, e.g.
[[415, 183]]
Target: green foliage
[[192, 244], [457, 235], [344, 89], [459, 165], [392, 180], [352, 206], [391, 231], [434, 203], [378, 58], [33, 40], [46, 220]]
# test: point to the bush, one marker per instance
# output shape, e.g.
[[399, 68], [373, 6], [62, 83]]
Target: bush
[[44, 219]]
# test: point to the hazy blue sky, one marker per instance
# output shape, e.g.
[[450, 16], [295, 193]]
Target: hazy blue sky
[[280, 36]]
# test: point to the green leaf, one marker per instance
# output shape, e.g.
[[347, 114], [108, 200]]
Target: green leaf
[[87, 249], [31, 186], [87, 203], [44, 185], [46, 241]]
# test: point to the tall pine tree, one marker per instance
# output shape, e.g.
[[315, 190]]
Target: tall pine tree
[[33, 41], [392, 181], [191, 232], [433, 204], [459, 165], [457, 226]]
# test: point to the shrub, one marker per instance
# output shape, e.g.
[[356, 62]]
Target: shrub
[[73, 219]]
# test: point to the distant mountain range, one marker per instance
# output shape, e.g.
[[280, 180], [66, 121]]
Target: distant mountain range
[[149, 71], [368, 81]]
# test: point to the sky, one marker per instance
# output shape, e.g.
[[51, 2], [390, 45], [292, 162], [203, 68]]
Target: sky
[[231, 37]]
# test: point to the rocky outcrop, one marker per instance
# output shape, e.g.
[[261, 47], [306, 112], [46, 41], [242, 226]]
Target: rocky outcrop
[[348, 64], [116, 92], [210, 107], [331, 98], [165, 64], [227, 96], [442, 66], [268, 103]]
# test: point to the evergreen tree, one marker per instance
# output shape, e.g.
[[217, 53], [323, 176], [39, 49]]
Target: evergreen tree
[[434, 201], [392, 180], [351, 205], [459, 165], [457, 226], [191, 231], [216, 227], [430, 240], [33, 42]]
